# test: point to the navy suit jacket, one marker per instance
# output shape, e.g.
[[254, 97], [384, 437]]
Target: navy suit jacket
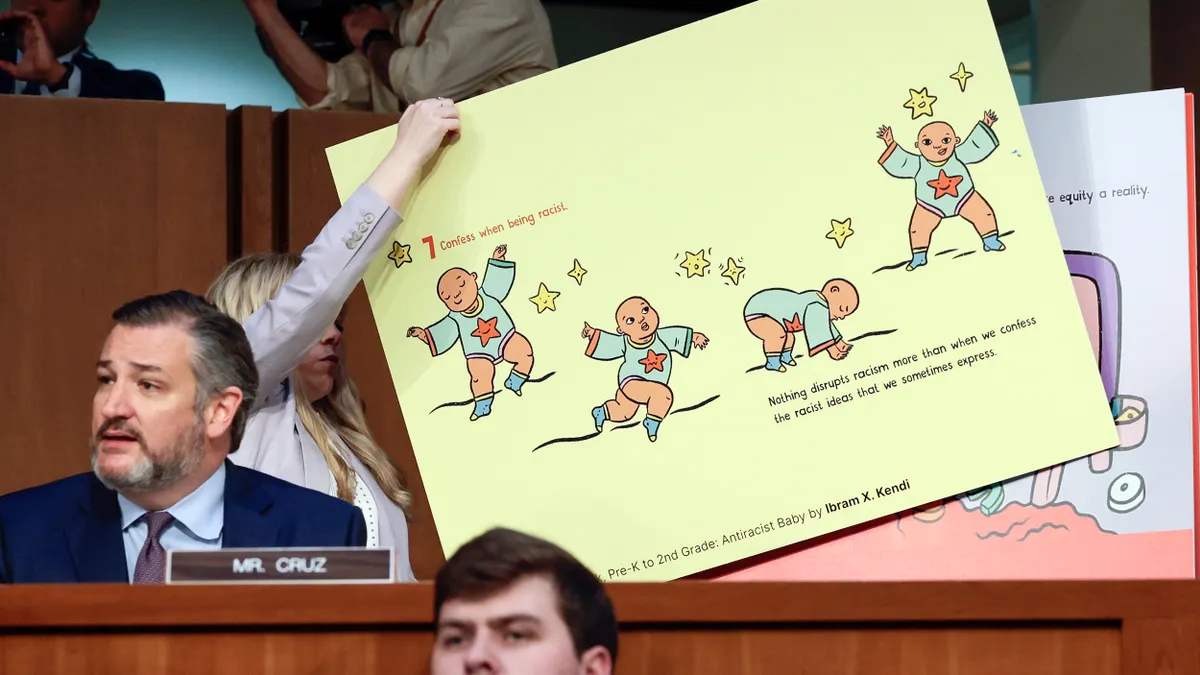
[[101, 79], [70, 530]]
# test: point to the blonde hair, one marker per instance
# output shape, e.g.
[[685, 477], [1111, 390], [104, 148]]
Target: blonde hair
[[247, 284]]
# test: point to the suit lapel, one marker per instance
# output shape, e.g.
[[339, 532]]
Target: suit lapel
[[97, 546], [247, 520], [83, 61]]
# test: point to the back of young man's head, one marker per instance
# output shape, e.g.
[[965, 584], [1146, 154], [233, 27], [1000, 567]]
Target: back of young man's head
[[507, 602]]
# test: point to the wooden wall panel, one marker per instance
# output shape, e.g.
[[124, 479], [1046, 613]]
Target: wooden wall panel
[[317, 651], [784, 651], [869, 650], [1173, 29], [683, 628], [103, 201], [310, 200], [254, 192]]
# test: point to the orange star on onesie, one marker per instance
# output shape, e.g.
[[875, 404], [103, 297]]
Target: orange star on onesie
[[486, 330], [945, 185], [653, 361]]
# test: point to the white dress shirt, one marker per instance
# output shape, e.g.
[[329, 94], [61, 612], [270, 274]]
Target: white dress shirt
[[366, 503], [74, 82], [199, 521]]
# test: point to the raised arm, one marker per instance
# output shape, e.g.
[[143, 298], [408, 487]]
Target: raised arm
[[499, 276], [283, 330], [981, 142], [602, 345], [483, 39], [304, 69]]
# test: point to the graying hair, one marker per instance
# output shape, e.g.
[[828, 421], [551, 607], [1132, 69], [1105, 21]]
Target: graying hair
[[221, 354]]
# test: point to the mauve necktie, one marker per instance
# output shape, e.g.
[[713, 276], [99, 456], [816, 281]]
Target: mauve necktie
[[152, 560]]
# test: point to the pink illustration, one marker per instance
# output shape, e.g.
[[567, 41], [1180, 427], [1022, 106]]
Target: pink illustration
[[986, 535]]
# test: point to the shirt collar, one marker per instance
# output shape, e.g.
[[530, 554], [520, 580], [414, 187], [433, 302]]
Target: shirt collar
[[202, 512]]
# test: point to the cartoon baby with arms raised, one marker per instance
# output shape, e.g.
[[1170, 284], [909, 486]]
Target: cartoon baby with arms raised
[[478, 319], [944, 188], [645, 350]]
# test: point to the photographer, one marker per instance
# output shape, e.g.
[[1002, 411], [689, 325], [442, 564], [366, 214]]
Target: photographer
[[430, 48], [53, 58]]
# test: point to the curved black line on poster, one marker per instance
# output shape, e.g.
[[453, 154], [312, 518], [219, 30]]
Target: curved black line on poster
[[630, 425], [471, 400]]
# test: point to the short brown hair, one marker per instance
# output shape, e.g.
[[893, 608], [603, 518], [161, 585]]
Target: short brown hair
[[500, 557], [221, 352]]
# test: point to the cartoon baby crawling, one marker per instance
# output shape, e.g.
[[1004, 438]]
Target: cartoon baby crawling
[[478, 319], [943, 185], [645, 350], [775, 315]]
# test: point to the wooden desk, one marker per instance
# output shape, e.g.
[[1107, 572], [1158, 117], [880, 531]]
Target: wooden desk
[[688, 628]]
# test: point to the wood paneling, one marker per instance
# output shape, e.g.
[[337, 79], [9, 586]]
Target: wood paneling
[[310, 200], [324, 650], [254, 194], [318, 651], [1161, 646], [689, 628], [1173, 29], [103, 201]]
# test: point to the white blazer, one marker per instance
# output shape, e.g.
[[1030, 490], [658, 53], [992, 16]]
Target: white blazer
[[283, 330]]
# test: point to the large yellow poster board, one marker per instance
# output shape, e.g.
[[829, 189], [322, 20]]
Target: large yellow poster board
[[684, 302]]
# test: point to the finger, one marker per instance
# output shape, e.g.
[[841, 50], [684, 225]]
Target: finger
[[9, 68]]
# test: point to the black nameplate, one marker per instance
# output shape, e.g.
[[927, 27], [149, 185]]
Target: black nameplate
[[282, 566]]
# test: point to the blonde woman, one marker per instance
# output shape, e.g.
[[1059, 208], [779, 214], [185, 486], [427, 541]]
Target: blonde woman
[[308, 426]]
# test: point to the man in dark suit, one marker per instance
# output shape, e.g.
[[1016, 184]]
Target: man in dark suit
[[55, 60], [175, 380]]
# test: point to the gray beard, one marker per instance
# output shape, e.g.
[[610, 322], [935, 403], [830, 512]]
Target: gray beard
[[156, 470]]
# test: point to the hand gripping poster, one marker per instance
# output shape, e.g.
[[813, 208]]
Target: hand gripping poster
[[670, 324], [1126, 218]]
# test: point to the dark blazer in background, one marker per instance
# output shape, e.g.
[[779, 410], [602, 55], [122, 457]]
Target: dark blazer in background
[[69, 531], [101, 79]]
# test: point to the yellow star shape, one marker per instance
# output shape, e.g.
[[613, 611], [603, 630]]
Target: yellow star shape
[[399, 254], [839, 232], [695, 264], [733, 271], [920, 102], [544, 298], [962, 75], [577, 272]]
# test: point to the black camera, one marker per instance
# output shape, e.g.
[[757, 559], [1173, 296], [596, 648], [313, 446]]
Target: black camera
[[319, 24], [10, 39]]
